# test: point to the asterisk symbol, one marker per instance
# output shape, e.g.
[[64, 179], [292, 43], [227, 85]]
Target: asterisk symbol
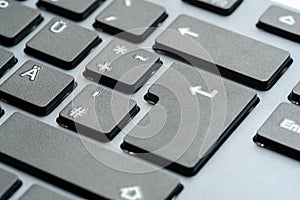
[[120, 50]]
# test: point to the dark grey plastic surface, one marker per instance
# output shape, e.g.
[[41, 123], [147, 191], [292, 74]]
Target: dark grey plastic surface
[[37, 192], [97, 111], [281, 132], [195, 112], [133, 19], [17, 21], [123, 66], [240, 58], [73, 9], [42, 150], [282, 22], [51, 46], [36, 88], [8, 184], [223, 7], [7, 60]]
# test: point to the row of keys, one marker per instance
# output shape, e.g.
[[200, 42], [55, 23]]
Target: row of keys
[[134, 21], [237, 60], [131, 22], [98, 174]]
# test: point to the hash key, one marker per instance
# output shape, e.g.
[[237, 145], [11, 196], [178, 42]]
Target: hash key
[[281, 132], [62, 43], [295, 95], [17, 21], [7, 60], [36, 88], [123, 66], [223, 7], [194, 112], [98, 113], [282, 22], [236, 57], [133, 20], [72, 9]]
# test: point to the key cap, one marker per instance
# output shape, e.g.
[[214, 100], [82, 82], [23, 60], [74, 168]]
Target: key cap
[[295, 95], [223, 7], [123, 66], [73, 9], [194, 112], [38, 192], [280, 132], [36, 88], [7, 60], [8, 185], [17, 21], [57, 44], [132, 20], [98, 113], [281, 22], [91, 171], [237, 57]]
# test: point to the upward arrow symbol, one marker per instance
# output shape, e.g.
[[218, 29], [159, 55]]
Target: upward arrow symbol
[[288, 20], [187, 31]]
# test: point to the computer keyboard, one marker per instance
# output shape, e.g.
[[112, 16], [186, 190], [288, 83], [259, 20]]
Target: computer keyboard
[[126, 99]]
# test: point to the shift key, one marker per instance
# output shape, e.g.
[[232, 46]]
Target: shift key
[[77, 165], [213, 48]]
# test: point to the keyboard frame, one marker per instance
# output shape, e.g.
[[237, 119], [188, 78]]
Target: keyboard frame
[[239, 169]]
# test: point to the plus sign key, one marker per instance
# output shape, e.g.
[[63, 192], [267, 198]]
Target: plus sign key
[[98, 113], [281, 22], [123, 66], [36, 88]]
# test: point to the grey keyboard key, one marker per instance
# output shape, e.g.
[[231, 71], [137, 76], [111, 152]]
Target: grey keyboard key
[[123, 66], [40, 193], [132, 20], [9, 183], [237, 57], [194, 112], [281, 132], [281, 22], [98, 113], [295, 95], [16, 21], [73, 9], [36, 88], [7, 60], [91, 171], [57, 44], [223, 7]]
